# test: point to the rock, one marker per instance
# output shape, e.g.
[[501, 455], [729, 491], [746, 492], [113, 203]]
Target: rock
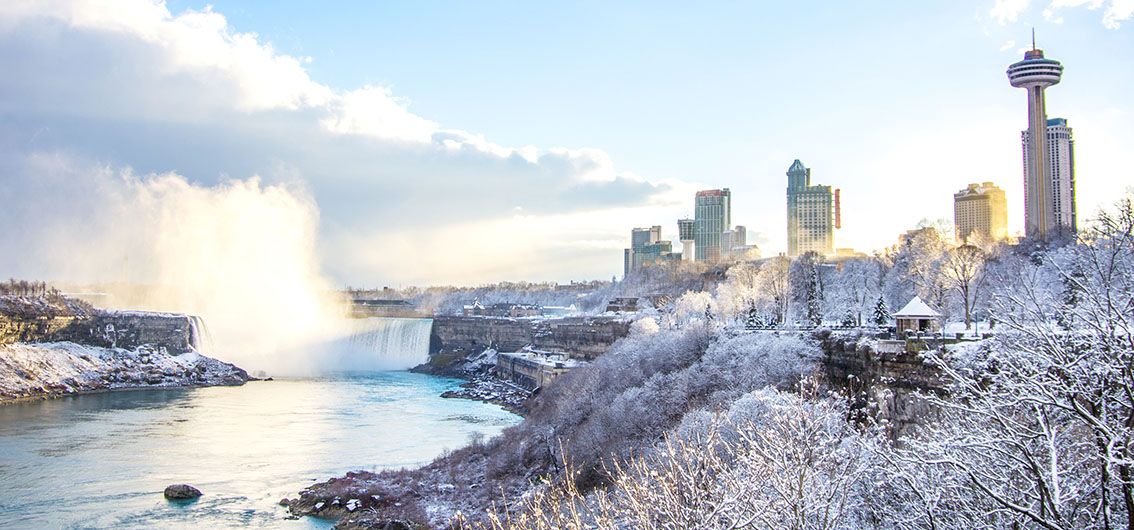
[[181, 491]]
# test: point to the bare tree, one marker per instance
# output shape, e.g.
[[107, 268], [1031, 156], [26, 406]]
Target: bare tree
[[775, 285], [962, 269]]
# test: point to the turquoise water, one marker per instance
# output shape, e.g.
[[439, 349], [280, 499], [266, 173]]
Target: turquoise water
[[102, 461]]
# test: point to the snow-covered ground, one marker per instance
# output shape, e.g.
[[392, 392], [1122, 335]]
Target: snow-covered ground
[[61, 368]]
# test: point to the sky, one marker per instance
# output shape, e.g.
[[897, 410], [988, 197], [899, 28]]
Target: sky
[[401, 143]]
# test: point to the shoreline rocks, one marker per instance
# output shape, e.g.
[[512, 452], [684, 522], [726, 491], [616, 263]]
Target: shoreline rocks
[[34, 371], [488, 389]]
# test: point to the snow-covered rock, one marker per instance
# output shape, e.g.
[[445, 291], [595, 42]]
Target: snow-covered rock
[[61, 368]]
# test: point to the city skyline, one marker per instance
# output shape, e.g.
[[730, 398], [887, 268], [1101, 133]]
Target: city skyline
[[400, 147]]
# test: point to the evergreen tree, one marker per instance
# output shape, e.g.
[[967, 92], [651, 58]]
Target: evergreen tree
[[881, 315], [752, 319]]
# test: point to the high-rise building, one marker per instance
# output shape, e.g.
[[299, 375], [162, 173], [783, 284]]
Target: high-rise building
[[645, 246], [1035, 73], [980, 209], [1060, 166], [810, 214], [685, 230], [733, 240], [712, 215], [656, 251], [640, 237]]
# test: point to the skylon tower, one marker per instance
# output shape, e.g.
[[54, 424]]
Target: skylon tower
[[1035, 73]]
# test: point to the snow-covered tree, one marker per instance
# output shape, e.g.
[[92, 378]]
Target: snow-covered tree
[[773, 460], [738, 294], [881, 316], [852, 288], [774, 288], [1038, 429], [693, 308], [962, 268]]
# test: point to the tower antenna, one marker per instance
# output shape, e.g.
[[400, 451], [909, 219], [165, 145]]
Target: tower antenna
[[1033, 38]]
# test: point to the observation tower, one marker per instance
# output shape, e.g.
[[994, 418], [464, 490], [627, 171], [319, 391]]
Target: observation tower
[[1035, 73]]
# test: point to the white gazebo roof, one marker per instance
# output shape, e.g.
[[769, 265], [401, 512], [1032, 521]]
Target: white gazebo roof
[[917, 309]]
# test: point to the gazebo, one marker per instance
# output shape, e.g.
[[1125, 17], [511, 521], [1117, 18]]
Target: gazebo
[[917, 316]]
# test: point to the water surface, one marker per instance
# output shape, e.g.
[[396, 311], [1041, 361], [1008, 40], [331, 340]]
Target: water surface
[[102, 461]]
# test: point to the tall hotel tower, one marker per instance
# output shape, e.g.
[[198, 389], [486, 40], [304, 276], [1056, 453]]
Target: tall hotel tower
[[712, 215], [1060, 166], [811, 219], [1035, 73]]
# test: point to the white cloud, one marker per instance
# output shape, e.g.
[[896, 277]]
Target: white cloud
[[374, 111], [130, 83], [1005, 11], [1008, 46], [1117, 11]]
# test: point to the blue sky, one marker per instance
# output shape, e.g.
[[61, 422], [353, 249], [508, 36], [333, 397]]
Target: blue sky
[[897, 103], [722, 94]]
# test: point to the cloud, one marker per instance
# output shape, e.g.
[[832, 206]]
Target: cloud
[[1006, 11], [127, 84], [1008, 45], [1117, 11]]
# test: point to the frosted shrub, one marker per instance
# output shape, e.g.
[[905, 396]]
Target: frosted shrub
[[795, 463], [644, 326]]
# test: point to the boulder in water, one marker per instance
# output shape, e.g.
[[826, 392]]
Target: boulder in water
[[181, 492]]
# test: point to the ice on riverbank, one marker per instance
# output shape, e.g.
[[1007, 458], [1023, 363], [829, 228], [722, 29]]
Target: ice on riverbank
[[43, 370]]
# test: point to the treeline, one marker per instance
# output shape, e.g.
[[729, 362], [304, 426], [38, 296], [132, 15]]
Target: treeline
[[449, 300], [14, 287]]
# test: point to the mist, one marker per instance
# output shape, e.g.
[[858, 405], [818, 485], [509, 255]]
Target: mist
[[240, 254]]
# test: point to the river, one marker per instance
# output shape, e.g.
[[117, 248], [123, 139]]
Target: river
[[102, 461]]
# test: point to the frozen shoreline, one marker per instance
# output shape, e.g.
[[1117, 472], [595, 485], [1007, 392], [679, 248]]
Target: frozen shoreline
[[32, 371]]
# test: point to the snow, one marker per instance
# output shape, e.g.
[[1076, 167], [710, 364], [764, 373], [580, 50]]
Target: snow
[[917, 308], [974, 331], [60, 368]]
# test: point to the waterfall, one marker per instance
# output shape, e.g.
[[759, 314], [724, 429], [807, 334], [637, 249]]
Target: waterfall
[[388, 343], [200, 339]]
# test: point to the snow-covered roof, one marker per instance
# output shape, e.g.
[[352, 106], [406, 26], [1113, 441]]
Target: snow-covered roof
[[917, 308]]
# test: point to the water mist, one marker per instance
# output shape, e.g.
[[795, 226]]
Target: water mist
[[241, 255]]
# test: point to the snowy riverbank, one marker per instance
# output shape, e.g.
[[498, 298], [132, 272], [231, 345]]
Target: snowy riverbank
[[46, 370]]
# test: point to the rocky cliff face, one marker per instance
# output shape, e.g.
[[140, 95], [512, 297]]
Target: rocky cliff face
[[175, 333], [49, 348], [453, 335], [879, 382], [580, 337], [454, 338], [31, 320]]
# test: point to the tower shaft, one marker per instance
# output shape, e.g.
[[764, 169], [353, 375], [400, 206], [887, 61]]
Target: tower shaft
[[1039, 199]]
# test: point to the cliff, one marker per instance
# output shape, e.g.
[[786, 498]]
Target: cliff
[[43, 319], [879, 381], [453, 338], [53, 346]]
